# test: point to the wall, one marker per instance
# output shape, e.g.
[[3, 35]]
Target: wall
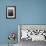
[[27, 12], [31, 11], [6, 25]]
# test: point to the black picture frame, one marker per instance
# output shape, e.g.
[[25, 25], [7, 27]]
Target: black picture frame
[[10, 12]]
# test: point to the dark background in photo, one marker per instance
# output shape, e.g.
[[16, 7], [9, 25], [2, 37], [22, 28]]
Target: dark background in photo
[[10, 12]]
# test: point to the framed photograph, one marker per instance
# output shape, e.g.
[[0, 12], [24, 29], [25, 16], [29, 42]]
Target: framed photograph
[[11, 12], [33, 32]]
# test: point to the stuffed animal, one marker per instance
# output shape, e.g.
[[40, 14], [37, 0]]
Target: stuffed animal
[[12, 36]]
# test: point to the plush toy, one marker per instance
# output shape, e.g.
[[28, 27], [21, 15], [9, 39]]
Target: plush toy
[[12, 36]]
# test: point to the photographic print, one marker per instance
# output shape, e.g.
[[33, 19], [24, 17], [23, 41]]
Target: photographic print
[[32, 32]]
